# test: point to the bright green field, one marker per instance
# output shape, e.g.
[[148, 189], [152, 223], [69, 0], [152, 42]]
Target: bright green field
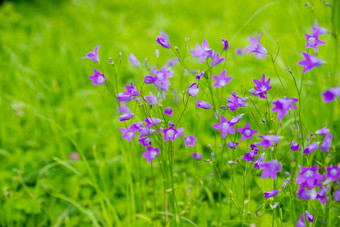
[[49, 109]]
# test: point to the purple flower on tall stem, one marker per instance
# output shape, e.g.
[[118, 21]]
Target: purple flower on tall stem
[[125, 117], [246, 132], [190, 141], [233, 121], [323, 132], [225, 44], [151, 122], [235, 102], [309, 62], [145, 141], [333, 173], [128, 133], [261, 87], [151, 99], [326, 143], [131, 90], [224, 126], [203, 52], [268, 141], [163, 40], [180, 132], [282, 106], [168, 111], [170, 133], [309, 177], [270, 168], [123, 108], [216, 59], [322, 195], [313, 41], [97, 78], [151, 153], [197, 156], [232, 145], [199, 76], [202, 104], [317, 29], [259, 161], [249, 156], [331, 94], [294, 146], [309, 216], [193, 89], [132, 58], [271, 193], [311, 148], [256, 47], [93, 55], [222, 80], [160, 78], [305, 194]]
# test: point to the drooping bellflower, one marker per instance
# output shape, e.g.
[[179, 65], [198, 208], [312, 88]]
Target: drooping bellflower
[[222, 80]]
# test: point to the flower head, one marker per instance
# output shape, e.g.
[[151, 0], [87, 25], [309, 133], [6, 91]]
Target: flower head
[[232, 145], [199, 76], [311, 148], [151, 99], [268, 141], [337, 195], [306, 194], [333, 173], [301, 222], [125, 116], [151, 153], [216, 59], [317, 29], [170, 133], [256, 47], [190, 141], [246, 132], [202, 104], [331, 94], [193, 89], [309, 177], [132, 58], [225, 44], [93, 55], [235, 102], [322, 195], [259, 161], [131, 90], [222, 80], [270, 168], [129, 133], [97, 78], [197, 156], [282, 106], [326, 143], [203, 52], [168, 111], [313, 41], [294, 146], [261, 87], [249, 156], [309, 216], [224, 126], [163, 40], [151, 121], [309, 62], [146, 141], [271, 193]]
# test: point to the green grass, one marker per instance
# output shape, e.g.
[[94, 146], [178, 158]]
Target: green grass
[[49, 109]]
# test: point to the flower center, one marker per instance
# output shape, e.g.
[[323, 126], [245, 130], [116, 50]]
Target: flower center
[[247, 132], [311, 41], [309, 173], [147, 140], [170, 133], [222, 83], [101, 79], [187, 139], [130, 134], [225, 126], [263, 88], [333, 172], [160, 76], [153, 154]]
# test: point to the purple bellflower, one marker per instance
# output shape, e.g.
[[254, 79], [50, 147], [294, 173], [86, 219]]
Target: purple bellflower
[[309, 177], [203, 52], [306, 194], [259, 161], [294, 146], [271, 193], [313, 41], [197, 156], [93, 55], [322, 195], [232, 145], [301, 222], [132, 58], [249, 156], [268, 141], [189, 141], [225, 44], [151, 153], [256, 47], [270, 168], [222, 80], [282, 106], [193, 89], [199, 76], [168, 111], [170, 133], [163, 40], [235, 120], [309, 62], [216, 59], [235, 102], [246, 132], [337, 195], [326, 143], [125, 117], [151, 122], [311, 148], [146, 141], [261, 87], [202, 104], [224, 126], [151, 99], [333, 173], [331, 94], [317, 29], [323, 132], [97, 78], [309, 216]]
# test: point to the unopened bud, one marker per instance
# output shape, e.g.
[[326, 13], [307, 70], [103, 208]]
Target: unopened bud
[[110, 60]]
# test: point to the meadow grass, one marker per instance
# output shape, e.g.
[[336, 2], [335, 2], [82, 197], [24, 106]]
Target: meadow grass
[[49, 109]]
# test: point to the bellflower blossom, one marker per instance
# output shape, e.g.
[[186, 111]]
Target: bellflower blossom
[[224, 126], [333, 173], [282, 106], [306, 194], [225, 44], [170, 133], [256, 47], [246, 132], [249, 156], [163, 40], [235, 102], [151, 99], [270, 168], [132, 58], [313, 41], [189, 141], [222, 80], [123, 108], [146, 141], [216, 59], [259, 161], [294, 146], [311, 148], [197, 156], [309, 177], [323, 132], [199, 76], [337, 195], [193, 89], [151, 153], [326, 143], [203, 52], [97, 78], [93, 55], [131, 90], [129, 133], [268, 141], [151, 122], [309, 216], [331, 94], [168, 111], [261, 87], [309, 62], [125, 117], [202, 104], [232, 145], [317, 29], [271, 193], [233, 121], [322, 195]]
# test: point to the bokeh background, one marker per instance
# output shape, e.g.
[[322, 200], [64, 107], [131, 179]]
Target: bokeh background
[[49, 109]]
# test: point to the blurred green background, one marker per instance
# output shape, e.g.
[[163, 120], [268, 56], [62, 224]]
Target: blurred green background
[[49, 109]]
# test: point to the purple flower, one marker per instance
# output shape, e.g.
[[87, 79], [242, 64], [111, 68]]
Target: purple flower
[[151, 122], [216, 59], [311, 148], [231, 163], [123, 108], [282, 106], [163, 39], [261, 87], [270, 168], [326, 143], [131, 90], [309, 216], [337, 195], [322, 195], [93, 55], [202, 104], [333, 173], [150, 79], [222, 80], [249, 157], [317, 29], [256, 47], [235, 102], [128, 133], [125, 117], [168, 111], [198, 76], [151, 153], [301, 222], [259, 161], [246, 132], [271, 193], [151, 99], [144, 132], [323, 132], [313, 41], [180, 132], [224, 126], [197, 156], [160, 78], [203, 52], [97, 78], [268, 141], [232, 145], [132, 58], [145, 141], [190, 141], [309, 62], [170, 133], [225, 44], [331, 94], [235, 120], [239, 51], [286, 182], [305, 194], [309, 177], [294, 146], [193, 89]]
